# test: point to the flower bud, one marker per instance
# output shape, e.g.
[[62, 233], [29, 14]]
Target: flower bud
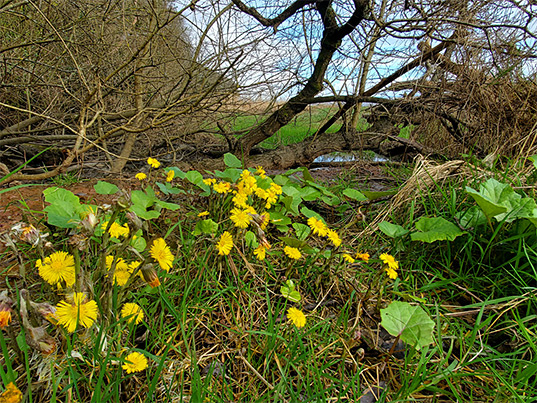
[[150, 275]]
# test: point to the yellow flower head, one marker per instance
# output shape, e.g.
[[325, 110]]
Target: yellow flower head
[[140, 176], [260, 171], [203, 214], [162, 254], [391, 272], [297, 317], [133, 312], [170, 175], [135, 362], [293, 253], [12, 394], [240, 218], [260, 252], [334, 237], [209, 181], [78, 312], [348, 258], [116, 230], [240, 200], [57, 268], [390, 261], [317, 226], [153, 162], [222, 187], [225, 244], [363, 256]]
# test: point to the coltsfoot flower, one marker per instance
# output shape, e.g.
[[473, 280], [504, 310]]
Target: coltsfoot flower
[[135, 362], [57, 268], [70, 314], [162, 254], [297, 317], [133, 312], [293, 253]]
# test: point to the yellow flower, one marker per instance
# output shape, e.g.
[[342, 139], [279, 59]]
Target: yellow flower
[[12, 394], [275, 188], [240, 200], [389, 261], [317, 226], [122, 271], [293, 253], [363, 256], [240, 218], [170, 175], [162, 254], [133, 312], [390, 265], [140, 176], [334, 237], [260, 252], [56, 268], [77, 312], [225, 244], [260, 171], [209, 181], [391, 272], [203, 214], [297, 317], [348, 258], [116, 230], [135, 362], [153, 162], [222, 187]]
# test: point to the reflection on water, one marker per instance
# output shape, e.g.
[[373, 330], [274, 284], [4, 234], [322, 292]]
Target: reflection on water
[[349, 157]]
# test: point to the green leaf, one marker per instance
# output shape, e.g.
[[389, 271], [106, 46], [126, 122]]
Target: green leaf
[[232, 161], [354, 194], [195, 178], [105, 188], [309, 193], [306, 212], [142, 212], [138, 242], [293, 242], [472, 218], [64, 209], [229, 175], [251, 240], [166, 205], [411, 323], [306, 174], [205, 227], [435, 229], [378, 195], [302, 230], [492, 197], [167, 188], [392, 230], [533, 158], [289, 291], [291, 204], [141, 199]]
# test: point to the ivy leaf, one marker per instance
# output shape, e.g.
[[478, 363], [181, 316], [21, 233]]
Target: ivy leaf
[[435, 229], [411, 323]]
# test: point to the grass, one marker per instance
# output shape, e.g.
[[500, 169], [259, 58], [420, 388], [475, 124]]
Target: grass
[[216, 327], [300, 128]]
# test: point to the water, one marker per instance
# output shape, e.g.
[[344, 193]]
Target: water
[[349, 157]]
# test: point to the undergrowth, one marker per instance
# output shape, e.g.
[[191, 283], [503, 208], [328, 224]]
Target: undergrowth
[[236, 286]]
